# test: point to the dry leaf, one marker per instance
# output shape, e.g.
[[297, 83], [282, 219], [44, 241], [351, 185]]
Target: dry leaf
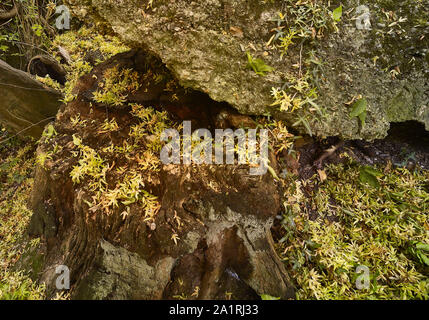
[[322, 175], [236, 32]]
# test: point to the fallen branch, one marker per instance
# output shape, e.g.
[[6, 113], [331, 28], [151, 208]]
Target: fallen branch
[[25, 103], [5, 15], [43, 65]]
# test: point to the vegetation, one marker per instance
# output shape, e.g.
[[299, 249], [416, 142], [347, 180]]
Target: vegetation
[[116, 86], [345, 222], [302, 23], [348, 217], [16, 180], [94, 168], [82, 46]]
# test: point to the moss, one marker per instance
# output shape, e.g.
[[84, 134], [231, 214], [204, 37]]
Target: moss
[[399, 107], [86, 48], [345, 223], [16, 168], [116, 86]]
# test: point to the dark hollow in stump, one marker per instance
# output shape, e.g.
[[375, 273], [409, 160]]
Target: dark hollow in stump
[[25, 104], [221, 215], [43, 65]]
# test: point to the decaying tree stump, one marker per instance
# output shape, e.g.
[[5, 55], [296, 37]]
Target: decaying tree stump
[[210, 237], [43, 65], [26, 105]]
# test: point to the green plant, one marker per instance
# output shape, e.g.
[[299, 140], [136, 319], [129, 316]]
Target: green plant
[[337, 13], [78, 44], [16, 176], [258, 65], [268, 297], [89, 164], [116, 86], [359, 109], [17, 286], [385, 231]]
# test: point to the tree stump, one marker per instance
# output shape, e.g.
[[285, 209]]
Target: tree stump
[[210, 237]]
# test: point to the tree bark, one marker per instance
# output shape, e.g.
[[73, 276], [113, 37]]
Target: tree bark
[[26, 105], [210, 236]]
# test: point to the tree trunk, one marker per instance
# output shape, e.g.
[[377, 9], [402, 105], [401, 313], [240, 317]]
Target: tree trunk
[[210, 237], [26, 105]]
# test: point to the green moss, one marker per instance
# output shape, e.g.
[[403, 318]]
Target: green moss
[[79, 45], [116, 86], [357, 224], [16, 168]]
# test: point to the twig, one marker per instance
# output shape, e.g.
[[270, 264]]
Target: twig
[[27, 44], [1, 25], [25, 129], [300, 62], [328, 152]]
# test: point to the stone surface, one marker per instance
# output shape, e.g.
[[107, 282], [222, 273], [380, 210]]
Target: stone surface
[[204, 44]]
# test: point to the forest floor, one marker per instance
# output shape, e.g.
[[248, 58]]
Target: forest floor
[[355, 216], [341, 217]]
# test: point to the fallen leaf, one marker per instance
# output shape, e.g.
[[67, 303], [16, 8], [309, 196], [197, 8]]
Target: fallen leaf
[[322, 175]]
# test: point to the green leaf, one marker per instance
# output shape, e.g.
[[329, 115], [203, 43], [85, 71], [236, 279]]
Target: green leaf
[[258, 65], [422, 246], [49, 132], [359, 107], [423, 258], [268, 297], [337, 13], [313, 245], [372, 171], [38, 29], [77, 141], [362, 118], [368, 178]]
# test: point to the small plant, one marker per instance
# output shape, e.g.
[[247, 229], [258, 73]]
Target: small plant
[[281, 138], [369, 175], [359, 110], [386, 231], [89, 164], [337, 14], [116, 86], [286, 41], [258, 65], [299, 93], [109, 126]]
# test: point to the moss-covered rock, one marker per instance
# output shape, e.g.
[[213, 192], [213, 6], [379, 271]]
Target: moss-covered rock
[[205, 43]]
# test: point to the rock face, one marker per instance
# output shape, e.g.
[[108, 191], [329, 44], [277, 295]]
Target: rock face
[[204, 44], [210, 236], [25, 104]]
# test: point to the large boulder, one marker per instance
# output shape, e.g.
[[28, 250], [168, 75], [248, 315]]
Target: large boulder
[[204, 43]]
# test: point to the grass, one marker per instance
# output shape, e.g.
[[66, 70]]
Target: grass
[[16, 180]]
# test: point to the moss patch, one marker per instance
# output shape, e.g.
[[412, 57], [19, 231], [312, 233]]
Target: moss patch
[[332, 228]]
